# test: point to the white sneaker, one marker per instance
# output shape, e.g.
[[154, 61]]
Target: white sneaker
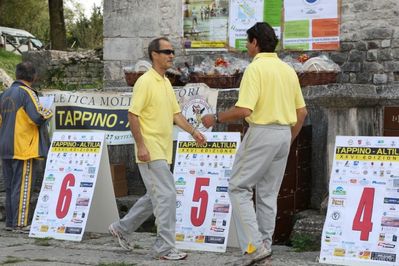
[[260, 253], [121, 239], [174, 254]]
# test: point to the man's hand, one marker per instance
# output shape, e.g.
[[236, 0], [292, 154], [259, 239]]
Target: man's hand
[[208, 120], [199, 137], [143, 154]]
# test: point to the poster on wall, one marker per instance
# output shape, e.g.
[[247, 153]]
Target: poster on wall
[[205, 23], [362, 221], [245, 13], [202, 174], [76, 191], [311, 25], [196, 100]]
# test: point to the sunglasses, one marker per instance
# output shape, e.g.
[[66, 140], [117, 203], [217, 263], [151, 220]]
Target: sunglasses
[[166, 51]]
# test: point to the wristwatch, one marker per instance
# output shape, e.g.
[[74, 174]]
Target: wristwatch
[[215, 116]]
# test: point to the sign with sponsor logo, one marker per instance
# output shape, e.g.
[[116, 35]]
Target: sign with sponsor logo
[[202, 174], [362, 221], [76, 192], [107, 112]]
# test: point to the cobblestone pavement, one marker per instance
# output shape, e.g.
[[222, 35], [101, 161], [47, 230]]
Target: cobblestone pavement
[[102, 249]]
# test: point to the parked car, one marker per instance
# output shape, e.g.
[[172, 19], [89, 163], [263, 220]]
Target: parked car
[[18, 41]]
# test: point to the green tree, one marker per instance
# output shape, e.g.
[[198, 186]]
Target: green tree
[[29, 15], [87, 32]]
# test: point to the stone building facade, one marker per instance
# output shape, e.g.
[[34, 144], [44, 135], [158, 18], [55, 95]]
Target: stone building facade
[[369, 36], [368, 57]]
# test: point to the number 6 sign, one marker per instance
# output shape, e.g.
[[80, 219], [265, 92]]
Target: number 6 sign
[[65, 196], [76, 167]]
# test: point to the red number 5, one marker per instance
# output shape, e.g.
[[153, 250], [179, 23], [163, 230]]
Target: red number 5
[[65, 197], [198, 217], [365, 207]]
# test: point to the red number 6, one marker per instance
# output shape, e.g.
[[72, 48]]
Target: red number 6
[[65, 197]]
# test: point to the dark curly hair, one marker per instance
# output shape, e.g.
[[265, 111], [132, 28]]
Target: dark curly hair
[[265, 36], [25, 71]]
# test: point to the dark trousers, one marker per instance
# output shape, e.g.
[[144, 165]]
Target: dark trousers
[[19, 180]]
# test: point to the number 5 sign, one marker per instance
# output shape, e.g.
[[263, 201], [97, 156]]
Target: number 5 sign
[[203, 208], [362, 221], [76, 189]]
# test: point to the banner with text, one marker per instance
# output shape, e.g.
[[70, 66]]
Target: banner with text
[[105, 111], [202, 174], [362, 222]]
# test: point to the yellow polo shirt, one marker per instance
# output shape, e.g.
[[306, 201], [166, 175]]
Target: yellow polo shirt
[[155, 103], [270, 88]]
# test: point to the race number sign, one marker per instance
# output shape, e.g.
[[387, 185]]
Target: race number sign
[[202, 174], [77, 180], [362, 222]]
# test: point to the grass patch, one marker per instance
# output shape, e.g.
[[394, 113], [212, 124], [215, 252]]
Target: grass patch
[[11, 259], [8, 62], [304, 242], [45, 242]]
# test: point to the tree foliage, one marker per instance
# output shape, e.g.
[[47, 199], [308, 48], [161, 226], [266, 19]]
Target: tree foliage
[[33, 16], [29, 15], [87, 32]]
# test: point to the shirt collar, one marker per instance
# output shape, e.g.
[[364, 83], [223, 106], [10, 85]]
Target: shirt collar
[[23, 83], [265, 55], [156, 75]]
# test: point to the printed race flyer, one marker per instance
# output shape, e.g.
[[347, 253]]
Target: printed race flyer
[[362, 222], [202, 174], [68, 185]]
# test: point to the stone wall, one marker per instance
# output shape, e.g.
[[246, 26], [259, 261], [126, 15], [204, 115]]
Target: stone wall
[[67, 70], [369, 36]]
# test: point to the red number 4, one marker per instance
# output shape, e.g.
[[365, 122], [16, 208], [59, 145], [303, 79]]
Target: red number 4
[[198, 216], [365, 208], [65, 197]]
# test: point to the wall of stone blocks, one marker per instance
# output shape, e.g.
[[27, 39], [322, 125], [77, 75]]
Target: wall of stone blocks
[[67, 69]]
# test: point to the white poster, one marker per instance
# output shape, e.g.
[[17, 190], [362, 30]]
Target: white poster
[[202, 174], [311, 25], [362, 222], [243, 15], [73, 169]]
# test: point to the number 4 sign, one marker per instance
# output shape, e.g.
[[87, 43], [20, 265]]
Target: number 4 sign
[[77, 189], [362, 221], [365, 210]]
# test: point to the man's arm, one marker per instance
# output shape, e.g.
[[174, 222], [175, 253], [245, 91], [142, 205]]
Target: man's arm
[[301, 114], [142, 152], [181, 122], [234, 113]]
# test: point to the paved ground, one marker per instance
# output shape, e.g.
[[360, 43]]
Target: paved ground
[[101, 249]]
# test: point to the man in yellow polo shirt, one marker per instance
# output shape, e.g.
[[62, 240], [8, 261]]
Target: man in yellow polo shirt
[[271, 101], [151, 115]]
